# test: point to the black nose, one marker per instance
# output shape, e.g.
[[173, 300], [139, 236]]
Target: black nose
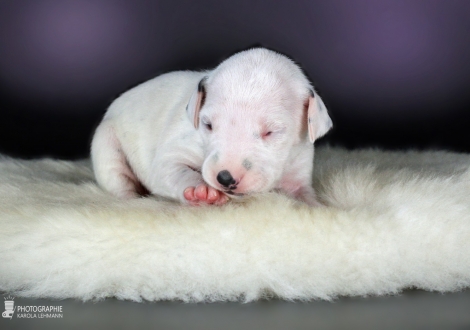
[[225, 178]]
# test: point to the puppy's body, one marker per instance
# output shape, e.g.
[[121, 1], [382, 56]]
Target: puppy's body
[[238, 129]]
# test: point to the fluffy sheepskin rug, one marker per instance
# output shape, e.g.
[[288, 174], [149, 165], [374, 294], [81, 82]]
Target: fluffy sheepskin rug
[[393, 221]]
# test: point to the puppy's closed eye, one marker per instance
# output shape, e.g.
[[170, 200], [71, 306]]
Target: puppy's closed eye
[[272, 131], [266, 134], [207, 124]]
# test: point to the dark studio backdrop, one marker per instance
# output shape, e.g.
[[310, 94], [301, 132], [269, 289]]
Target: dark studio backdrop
[[394, 74]]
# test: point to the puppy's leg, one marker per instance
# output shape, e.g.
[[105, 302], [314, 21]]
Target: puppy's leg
[[176, 176], [110, 166], [300, 189], [297, 179], [307, 195]]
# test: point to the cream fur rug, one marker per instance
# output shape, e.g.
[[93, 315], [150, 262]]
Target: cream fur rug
[[394, 221]]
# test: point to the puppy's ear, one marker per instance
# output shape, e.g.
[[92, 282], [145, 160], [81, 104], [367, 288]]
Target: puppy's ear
[[196, 102], [319, 122]]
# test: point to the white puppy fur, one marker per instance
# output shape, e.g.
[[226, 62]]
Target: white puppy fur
[[251, 127]]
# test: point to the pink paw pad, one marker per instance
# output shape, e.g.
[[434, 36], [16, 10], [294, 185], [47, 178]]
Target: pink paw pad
[[203, 194]]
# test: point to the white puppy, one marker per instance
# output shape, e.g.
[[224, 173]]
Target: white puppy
[[245, 127]]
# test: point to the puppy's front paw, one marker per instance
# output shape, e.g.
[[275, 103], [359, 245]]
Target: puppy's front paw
[[204, 194]]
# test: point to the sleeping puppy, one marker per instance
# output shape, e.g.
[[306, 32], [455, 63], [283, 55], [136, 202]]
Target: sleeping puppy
[[245, 127]]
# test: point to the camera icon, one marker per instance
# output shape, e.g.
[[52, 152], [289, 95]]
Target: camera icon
[[9, 309]]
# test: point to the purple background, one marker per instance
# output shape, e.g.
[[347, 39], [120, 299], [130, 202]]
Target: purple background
[[394, 74]]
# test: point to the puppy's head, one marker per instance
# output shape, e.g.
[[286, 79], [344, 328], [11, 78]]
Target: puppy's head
[[251, 110]]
